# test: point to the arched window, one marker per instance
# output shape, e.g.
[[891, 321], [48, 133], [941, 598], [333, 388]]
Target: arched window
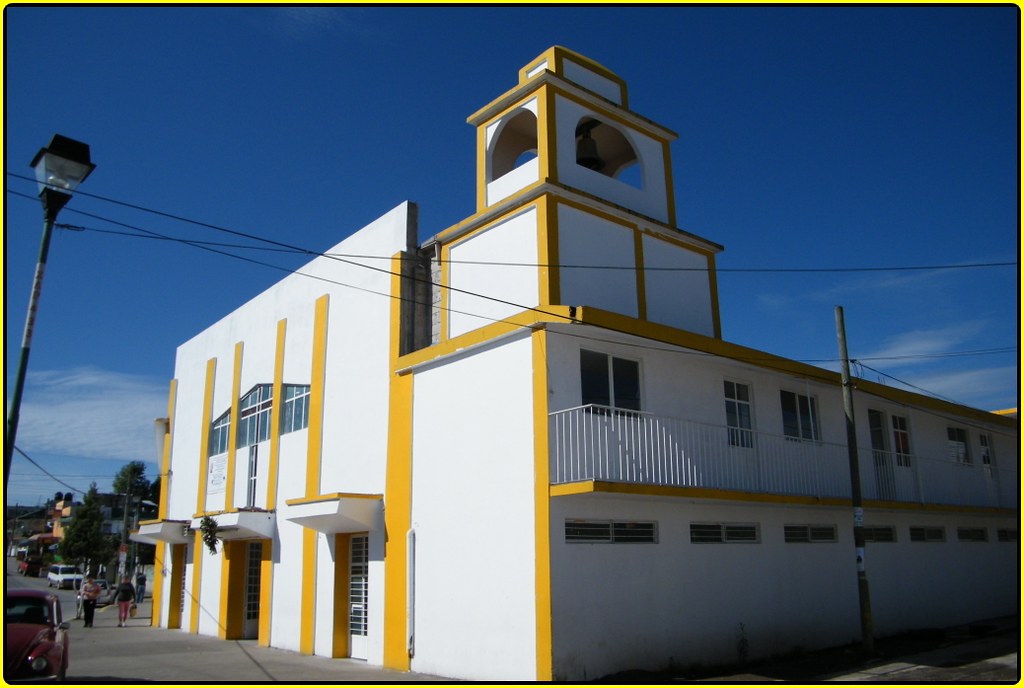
[[514, 144], [604, 149]]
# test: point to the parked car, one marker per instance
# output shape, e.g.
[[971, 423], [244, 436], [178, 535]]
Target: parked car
[[63, 576], [106, 594], [36, 638]]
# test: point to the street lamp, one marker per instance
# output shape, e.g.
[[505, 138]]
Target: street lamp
[[60, 168]]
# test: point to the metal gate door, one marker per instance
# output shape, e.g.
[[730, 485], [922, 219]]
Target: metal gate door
[[357, 596], [251, 627]]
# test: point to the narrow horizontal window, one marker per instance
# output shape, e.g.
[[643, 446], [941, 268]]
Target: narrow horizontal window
[[1006, 535], [703, 533], [972, 534], [809, 533], [611, 531], [927, 534], [879, 534]]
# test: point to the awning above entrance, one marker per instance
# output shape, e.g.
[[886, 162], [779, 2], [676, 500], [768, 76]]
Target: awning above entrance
[[155, 532], [341, 512], [242, 525]]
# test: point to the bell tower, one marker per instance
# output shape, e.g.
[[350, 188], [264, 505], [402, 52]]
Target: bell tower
[[574, 207], [568, 122]]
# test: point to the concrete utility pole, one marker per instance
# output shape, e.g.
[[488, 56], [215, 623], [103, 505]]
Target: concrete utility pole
[[866, 625]]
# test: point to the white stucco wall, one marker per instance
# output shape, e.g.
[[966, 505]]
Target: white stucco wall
[[510, 287], [586, 239], [354, 441], [473, 513], [677, 288], [676, 603]]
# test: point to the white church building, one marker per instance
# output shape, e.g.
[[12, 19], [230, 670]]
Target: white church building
[[521, 449]]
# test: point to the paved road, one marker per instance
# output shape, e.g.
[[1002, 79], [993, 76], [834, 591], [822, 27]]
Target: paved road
[[142, 654]]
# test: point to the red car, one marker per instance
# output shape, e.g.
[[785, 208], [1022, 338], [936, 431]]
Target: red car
[[36, 642]]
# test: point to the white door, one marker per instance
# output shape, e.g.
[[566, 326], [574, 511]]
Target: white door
[[251, 627], [357, 596]]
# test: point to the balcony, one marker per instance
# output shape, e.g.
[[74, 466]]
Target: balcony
[[596, 443]]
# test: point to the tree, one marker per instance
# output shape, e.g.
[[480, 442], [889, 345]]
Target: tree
[[84, 539], [131, 479]]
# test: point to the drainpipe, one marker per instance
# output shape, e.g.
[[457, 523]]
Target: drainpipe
[[410, 592]]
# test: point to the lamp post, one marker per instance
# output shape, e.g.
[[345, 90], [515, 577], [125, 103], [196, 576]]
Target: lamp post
[[60, 168]]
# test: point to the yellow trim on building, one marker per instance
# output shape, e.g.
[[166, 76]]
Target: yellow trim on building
[[266, 592], [444, 280], [332, 497], [556, 56], [316, 396], [605, 487], [313, 458], [481, 167], [670, 191], [397, 497], [275, 416], [236, 393], [547, 135], [542, 508], [159, 566]]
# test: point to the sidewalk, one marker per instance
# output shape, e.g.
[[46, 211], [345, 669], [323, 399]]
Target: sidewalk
[[983, 652], [139, 653]]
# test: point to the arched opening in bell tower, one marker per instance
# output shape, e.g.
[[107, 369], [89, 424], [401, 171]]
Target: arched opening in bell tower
[[604, 149], [514, 144]]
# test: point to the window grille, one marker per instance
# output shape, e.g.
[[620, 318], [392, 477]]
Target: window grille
[[809, 533], [972, 534], [611, 531], [879, 534], [927, 534], [706, 533]]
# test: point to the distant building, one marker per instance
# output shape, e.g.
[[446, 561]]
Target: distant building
[[522, 450]]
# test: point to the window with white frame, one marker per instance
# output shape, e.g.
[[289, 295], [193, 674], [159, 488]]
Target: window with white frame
[[295, 412], [738, 418], [254, 416], [901, 440], [986, 449], [957, 445], [609, 381], [219, 432], [799, 416]]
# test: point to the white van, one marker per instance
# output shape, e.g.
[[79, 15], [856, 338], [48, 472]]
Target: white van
[[63, 576]]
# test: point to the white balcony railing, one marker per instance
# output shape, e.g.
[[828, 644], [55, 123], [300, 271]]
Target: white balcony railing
[[604, 444]]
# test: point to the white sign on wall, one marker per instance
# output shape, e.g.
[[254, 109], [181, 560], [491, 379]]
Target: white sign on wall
[[217, 477]]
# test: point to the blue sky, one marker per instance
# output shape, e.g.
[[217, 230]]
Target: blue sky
[[809, 138]]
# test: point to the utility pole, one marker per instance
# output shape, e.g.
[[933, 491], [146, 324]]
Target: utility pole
[[866, 624]]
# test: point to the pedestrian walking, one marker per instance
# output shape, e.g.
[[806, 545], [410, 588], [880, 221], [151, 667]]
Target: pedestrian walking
[[90, 592], [140, 586], [125, 597]]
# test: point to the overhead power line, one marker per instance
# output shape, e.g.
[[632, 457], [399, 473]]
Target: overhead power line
[[290, 248]]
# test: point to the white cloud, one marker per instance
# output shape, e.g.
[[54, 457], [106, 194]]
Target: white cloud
[[89, 412], [924, 342], [989, 389]]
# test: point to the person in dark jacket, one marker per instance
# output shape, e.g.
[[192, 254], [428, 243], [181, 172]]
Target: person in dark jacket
[[125, 597]]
